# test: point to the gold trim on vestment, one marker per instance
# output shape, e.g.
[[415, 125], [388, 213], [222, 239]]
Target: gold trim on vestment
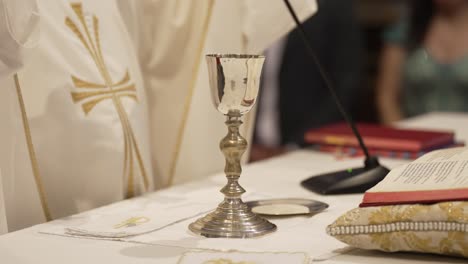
[[32, 153], [91, 93], [188, 99]]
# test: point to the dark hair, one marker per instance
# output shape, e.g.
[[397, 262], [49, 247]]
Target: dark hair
[[420, 15]]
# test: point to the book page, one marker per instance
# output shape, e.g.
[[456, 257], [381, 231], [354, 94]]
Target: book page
[[436, 170]]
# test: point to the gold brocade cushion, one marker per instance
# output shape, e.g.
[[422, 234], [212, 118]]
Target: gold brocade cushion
[[440, 228]]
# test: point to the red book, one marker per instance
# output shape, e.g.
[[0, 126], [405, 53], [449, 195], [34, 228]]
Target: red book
[[349, 151], [380, 137], [438, 176], [358, 152]]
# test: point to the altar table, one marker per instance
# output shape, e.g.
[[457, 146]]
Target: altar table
[[274, 178]]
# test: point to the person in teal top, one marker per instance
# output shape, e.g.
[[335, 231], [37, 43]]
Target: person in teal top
[[424, 64]]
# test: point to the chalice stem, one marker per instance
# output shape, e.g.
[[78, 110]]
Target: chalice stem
[[233, 146]]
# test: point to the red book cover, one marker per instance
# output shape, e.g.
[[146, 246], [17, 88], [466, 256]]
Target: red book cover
[[411, 197], [349, 151], [357, 152], [380, 137], [438, 176]]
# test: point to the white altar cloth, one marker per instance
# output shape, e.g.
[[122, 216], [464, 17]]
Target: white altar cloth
[[275, 178]]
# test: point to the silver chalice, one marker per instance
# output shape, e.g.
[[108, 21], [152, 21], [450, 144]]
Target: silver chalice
[[234, 83]]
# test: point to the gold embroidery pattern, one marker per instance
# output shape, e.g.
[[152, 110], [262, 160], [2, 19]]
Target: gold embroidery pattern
[[439, 228], [226, 261], [131, 222], [456, 242], [349, 218], [90, 94], [32, 153], [392, 214]]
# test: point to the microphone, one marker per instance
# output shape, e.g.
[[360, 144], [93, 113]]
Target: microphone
[[351, 180]]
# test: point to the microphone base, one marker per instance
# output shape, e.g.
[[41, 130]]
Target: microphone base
[[353, 180]]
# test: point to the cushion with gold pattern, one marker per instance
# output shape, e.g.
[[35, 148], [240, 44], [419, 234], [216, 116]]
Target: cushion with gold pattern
[[440, 228]]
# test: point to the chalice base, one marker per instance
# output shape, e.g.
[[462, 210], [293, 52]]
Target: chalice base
[[232, 219]]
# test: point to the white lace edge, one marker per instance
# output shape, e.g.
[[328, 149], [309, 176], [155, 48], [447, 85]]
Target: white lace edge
[[438, 226]]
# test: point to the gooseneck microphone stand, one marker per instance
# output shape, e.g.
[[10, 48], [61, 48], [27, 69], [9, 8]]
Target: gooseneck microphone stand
[[352, 180]]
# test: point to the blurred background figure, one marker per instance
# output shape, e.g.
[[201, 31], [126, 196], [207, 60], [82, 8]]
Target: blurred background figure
[[294, 97], [424, 64]]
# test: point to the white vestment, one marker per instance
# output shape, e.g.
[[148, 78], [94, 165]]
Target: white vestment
[[86, 110], [173, 38], [19, 196], [76, 86]]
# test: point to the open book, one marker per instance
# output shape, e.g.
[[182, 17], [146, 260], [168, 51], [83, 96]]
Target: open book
[[440, 175]]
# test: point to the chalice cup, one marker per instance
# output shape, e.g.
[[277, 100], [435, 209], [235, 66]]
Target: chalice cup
[[234, 82]]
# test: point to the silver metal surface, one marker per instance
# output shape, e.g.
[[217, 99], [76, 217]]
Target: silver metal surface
[[234, 83], [284, 207]]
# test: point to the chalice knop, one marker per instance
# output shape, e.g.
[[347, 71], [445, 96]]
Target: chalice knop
[[234, 82]]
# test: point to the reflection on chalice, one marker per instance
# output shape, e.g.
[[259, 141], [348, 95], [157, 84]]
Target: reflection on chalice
[[234, 83]]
